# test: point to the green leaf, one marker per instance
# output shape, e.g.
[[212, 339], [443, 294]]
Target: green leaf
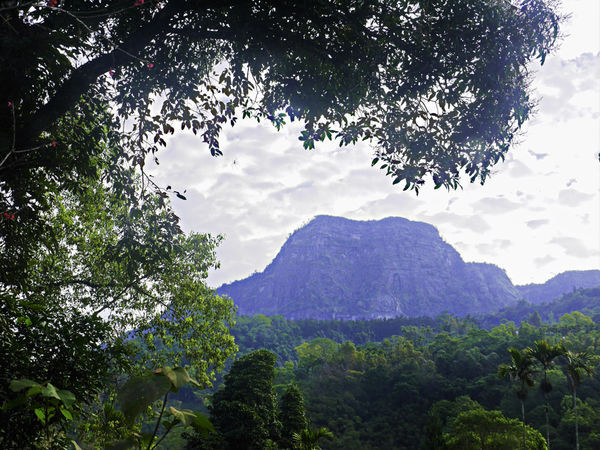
[[21, 400], [67, 397], [140, 392], [375, 161], [201, 424], [185, 416], [178, 376], [50, 391], [35, 390], [18, 385], [40, 414], [65, 412]]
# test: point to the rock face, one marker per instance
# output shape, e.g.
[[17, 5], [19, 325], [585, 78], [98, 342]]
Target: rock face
[[345, 269], [559, 285]]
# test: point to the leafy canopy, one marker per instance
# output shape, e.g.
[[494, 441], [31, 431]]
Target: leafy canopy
[[438, 86]]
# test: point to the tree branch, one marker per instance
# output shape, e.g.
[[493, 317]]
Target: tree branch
[[69, 93]]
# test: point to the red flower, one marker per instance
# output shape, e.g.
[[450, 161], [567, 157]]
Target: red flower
[[111, 73], [138, 3], [150, 65], [53, 143], [52, 3], [10, 104]]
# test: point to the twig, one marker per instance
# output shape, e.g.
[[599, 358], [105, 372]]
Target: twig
[[8, 23], [82, 23], [158, 422]]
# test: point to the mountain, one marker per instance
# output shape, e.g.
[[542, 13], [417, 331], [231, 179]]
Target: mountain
[[345, 269], [586, 301], [560, 284], [336, 268]]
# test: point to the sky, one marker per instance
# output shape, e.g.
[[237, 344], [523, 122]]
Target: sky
[[538, 215]]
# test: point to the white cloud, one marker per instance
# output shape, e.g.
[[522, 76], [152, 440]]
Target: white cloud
[[474, 223], [495, 205], [570, 88], [544, 260], [536, 223], [573, 198], [574, 247]]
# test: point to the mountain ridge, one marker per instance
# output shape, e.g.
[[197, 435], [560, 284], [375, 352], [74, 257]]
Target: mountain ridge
[[338, 268]]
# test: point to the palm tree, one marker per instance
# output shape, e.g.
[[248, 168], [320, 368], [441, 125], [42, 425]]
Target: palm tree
[[546, 354], [309, 439], [521, 368], [577, 365]]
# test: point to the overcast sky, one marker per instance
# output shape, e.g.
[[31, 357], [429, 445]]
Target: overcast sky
[[537, 216]]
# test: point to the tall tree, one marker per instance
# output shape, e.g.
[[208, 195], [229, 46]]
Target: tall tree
[[546, 354], [244, 411], [577, 365], [291, 415], [521, 369]]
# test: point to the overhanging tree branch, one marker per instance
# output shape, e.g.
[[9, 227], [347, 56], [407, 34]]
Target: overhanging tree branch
[[69, 93]]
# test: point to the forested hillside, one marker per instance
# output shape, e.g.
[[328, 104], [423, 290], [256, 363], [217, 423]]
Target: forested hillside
[[558, 285], [282, 336], [407, 390]]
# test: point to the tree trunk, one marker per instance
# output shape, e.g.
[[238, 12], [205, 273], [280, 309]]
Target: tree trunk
[[546, 410], [576, 418], [523, 414], [547, 422]]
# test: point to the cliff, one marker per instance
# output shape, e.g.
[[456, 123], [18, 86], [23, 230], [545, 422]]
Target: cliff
[[345, 269]]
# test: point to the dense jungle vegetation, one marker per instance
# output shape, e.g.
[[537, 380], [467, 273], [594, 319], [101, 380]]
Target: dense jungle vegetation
[[403, 384], [105, 314]]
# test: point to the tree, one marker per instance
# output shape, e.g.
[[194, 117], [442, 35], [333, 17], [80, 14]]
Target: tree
[[62, 348], [434, 436], [521, 369], [481, 429], [291, 415], [439, 87], [546, 355], [535, 319], [577, 364], [309, 439], [102, 273], [244, 411]]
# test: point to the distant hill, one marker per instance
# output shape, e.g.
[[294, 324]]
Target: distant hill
[[559, 285], [586, 301], [336, 268]]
